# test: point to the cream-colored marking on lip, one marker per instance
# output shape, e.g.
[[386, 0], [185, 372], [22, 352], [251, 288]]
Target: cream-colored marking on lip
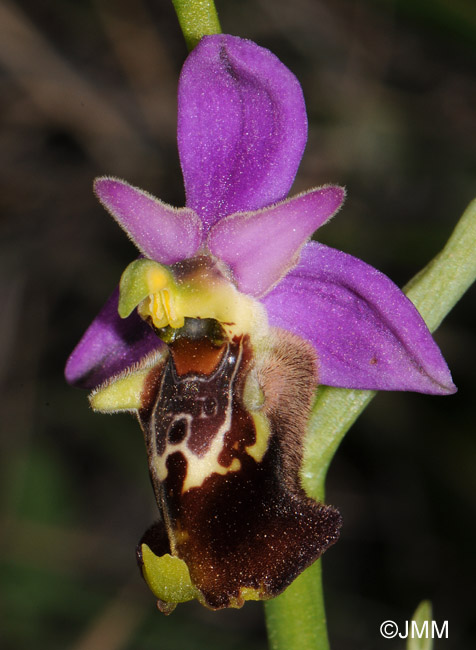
[[263, 432], [200, 468]]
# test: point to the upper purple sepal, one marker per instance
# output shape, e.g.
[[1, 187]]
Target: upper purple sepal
[[261, 247], [161, 232], [242, 127], [109, 346], [366, 332]]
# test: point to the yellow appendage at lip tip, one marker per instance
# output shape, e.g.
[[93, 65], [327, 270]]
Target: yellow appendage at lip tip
[[169, 580], [168, 577]]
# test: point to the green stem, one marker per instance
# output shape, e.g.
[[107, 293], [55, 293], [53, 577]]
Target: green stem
[[296, 619], [196, 18]]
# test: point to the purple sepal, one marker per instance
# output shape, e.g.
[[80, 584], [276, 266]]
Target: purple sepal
[[261, 247], [242, 127], [109, 345], [161, 232], [366, 332]]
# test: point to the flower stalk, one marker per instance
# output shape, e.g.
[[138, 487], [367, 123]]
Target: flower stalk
[[196, 18], [296, 620]]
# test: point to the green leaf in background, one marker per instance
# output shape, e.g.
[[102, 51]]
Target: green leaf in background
[[422, 614]]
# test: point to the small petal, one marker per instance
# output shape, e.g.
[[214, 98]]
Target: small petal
[[367, 334], [242, 240], [109, 346], [242, 127], [159, 231]]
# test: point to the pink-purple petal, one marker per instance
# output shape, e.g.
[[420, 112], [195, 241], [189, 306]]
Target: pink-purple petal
[[261, 247], [109, 345], [367, 334], [159, 231], [242, 127]]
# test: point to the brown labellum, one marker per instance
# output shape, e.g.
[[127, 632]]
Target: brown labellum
[[224, 424]]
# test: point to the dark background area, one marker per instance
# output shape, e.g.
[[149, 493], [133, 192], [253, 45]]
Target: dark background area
[[88, 88]]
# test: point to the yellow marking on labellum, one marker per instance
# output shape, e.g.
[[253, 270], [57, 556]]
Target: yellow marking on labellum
[[263, 432], [247, 593], [199, 468], [253, 396], [180, 535], [168, 577], [253, 399]]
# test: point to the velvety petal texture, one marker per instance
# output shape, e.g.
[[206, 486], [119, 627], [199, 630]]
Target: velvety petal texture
[[225, 405], [161, 232], [367, 334], [109, 346], [242, 127], [238, 239]]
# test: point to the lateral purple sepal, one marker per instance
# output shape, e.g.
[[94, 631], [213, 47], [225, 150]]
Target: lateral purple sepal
[[366, 332], [242, 127], [161, 232], [239, 239], [109, 345]]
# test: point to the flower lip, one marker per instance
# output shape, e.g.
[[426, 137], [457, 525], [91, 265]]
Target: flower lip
[[239, 462]]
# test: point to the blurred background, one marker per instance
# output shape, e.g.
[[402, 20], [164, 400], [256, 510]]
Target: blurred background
[[88, 88]]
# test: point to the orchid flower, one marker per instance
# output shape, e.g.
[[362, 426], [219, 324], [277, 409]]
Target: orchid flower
[[224, 326]]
